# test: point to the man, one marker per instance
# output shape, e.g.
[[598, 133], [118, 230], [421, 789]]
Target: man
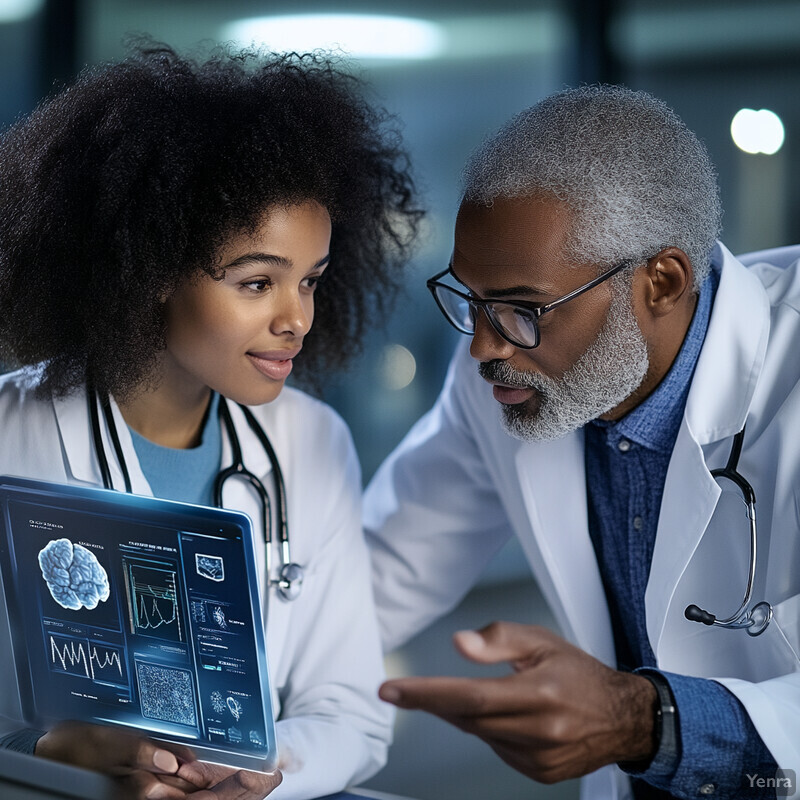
[[619, 353]]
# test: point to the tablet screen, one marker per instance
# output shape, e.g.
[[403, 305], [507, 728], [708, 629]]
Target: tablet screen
[[140, 612]]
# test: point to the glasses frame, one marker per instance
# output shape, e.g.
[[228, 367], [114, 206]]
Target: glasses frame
[[535, 309]]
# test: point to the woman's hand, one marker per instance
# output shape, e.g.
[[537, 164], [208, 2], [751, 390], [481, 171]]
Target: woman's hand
[[217, 782], [149, 770]]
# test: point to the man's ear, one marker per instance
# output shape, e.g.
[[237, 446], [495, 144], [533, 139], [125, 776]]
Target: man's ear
[[667, 281]]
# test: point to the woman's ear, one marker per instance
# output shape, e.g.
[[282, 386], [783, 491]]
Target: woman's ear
[[668, 281]]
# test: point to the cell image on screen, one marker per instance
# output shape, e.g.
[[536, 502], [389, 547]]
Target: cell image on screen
[[153, 601], [151, 620], [166, 694]]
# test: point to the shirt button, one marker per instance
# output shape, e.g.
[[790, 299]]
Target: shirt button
[[624, 446], [638, 523], [707, 789]]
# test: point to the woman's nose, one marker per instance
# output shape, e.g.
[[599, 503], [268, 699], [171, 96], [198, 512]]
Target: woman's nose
[[295, 315]]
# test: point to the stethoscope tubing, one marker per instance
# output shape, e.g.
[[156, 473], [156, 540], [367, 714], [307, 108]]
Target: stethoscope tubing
[[291, 575], [743, 618]]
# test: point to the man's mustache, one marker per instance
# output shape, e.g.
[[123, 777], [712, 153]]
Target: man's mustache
[[501, 372]]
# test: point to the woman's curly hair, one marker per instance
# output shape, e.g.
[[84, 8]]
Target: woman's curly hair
[[125, 184]]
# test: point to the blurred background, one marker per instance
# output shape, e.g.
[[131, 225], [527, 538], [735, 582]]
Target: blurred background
[[453, 72]]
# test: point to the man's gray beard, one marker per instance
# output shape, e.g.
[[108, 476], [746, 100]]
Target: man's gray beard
[[610, 370]]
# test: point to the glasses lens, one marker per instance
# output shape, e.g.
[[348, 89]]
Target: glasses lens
[[518, 324], [456, 309]]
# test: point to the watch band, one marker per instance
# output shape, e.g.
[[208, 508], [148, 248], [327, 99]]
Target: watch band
[[666, 721]]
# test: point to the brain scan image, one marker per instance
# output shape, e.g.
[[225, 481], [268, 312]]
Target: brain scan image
[[75, 577]]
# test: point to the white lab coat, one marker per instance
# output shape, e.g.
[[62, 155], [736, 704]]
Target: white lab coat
[[323, 648], [458, 486]]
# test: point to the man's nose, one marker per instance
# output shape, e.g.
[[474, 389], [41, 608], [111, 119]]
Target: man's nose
[[487, 343]]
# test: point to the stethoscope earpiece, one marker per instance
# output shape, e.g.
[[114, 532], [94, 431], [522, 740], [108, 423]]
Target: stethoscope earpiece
[[697, 614]]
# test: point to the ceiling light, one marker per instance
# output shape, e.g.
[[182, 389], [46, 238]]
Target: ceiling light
[[398, 367], [757, 131], [359, 35], [17, 10]]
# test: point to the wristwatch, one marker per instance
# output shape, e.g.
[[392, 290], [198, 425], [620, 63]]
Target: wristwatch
[[666, 721]]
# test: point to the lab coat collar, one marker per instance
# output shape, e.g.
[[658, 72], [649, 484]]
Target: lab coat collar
[[720, 396], [733, 353], [80, 459], [75, 429]]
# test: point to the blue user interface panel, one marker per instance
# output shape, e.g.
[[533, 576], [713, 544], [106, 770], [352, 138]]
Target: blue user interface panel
[[140, 612]]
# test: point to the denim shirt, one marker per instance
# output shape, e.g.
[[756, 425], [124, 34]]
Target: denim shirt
[[626, 467]]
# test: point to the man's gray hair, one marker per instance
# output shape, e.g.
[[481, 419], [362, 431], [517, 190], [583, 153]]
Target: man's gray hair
[[635, 177]]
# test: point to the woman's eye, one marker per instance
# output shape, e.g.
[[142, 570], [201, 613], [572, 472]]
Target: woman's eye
[[312, 281], [257, 286]]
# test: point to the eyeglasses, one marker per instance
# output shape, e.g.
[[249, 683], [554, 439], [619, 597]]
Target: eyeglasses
[[515, 320]]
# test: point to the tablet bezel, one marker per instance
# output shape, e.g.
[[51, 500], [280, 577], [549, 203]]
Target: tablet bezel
[[149, 511]]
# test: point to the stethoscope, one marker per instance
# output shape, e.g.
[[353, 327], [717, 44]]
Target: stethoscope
[[290, 575], [756, 619]]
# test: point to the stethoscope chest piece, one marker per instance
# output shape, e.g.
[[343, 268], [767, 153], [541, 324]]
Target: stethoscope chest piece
[[760, 617], [290, 582]]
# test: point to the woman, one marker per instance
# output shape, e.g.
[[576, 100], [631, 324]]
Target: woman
[[169, 230]]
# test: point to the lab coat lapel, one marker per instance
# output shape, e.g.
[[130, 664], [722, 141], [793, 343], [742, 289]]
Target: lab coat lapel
[[722, 390], [562, 557], [72, 416], [690, 495]]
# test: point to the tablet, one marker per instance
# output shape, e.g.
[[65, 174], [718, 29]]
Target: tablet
[[137, 611]]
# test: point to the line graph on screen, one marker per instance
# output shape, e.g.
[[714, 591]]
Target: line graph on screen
[[83, 658], [153, 602]]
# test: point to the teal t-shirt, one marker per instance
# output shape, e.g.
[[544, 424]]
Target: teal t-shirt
[[183, 474]]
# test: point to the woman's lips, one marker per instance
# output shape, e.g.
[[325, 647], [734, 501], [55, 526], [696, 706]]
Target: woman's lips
[[276, 365], [511, 395]]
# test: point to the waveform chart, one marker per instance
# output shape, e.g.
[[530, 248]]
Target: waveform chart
[[153, 602], [166, 693], [102, 663]]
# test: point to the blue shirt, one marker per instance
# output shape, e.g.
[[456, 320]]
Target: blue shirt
[[626, 466], [185, 475]]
